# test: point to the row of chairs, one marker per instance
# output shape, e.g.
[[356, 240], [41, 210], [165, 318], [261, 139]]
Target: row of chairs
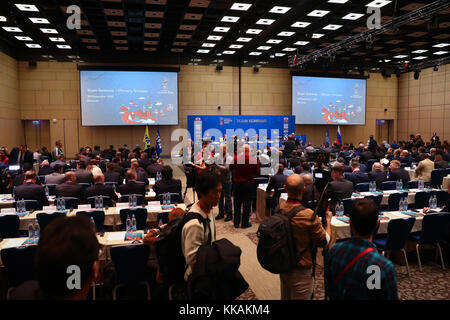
[[52, 187]]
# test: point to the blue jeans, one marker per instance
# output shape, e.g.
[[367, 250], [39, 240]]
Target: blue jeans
[[225, 204]]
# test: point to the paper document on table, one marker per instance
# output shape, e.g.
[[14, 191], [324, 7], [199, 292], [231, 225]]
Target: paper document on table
[[13, 243], [116, 236]]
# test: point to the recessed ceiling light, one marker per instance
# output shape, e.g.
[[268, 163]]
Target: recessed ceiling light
[[229, 19], [353, 16], [241, 6], [289, 49], [221, 29], [400, 56], [64, 46], [317, 35], [57, 39], [39, 20], [301, 43], [419, 51], [301, 24], [440, 53], [2, 18], [49, 30], [229, 52], [286, 34], [12, 29], [33, 45], [337, 1], [274, 41], [280, 54], [242, 39], [236, 46], [209, 45], [378, 3], [27, 7], [202, 51], [441, 45], [278, 9], [264, 48], [387, 60], [266, 22], [215, 38], [420, 58], [332, 27], [255, 53], [253, 31], [318, 13], [24, 38]]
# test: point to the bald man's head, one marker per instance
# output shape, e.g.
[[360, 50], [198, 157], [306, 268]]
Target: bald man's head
[[295, 186]]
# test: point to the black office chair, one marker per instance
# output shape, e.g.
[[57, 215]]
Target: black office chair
[[30, 205], [71, 202], [51, 189], [276, 199], [9, 226], [99, 218], [45, 218], [139, 213]]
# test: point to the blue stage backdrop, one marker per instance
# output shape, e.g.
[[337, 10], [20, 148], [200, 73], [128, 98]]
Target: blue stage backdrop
[[212, 126]]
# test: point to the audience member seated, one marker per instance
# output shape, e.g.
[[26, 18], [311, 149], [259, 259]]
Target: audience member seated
[[132, 186], [294, 161], [29, 190], [83, 175], [377, 174], [45, 169], [366, 155], [424, 168], [56, 177], [154, 168], [144, 161], [357, 176], [341, 160], [65, 242], [339, 188], [352, 284], [111, 175], [278, 180], [93, 167], [99, 189], [167, 184], [59, 161], [18, 179], [70, 188], [118, 167], [311, 192], [405, 158], [397, 172], [142, 175], [439, 163]]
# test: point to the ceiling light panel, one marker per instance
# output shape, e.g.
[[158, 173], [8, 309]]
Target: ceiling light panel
[[27, 7], [378, 3], [301, 24], [236, 46], [274, 41], [44, 30], [353, 16], [243, 39], [12, 29], [230, 19], [318, 13], [253, 31], [33, 45], [280, 10], [241, 6], [266, 22], [221, 29], [286, 34], [332, 27], [21, 38], [215, 38], [39, 20]]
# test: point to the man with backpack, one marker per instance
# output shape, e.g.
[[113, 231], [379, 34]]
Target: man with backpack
[[306, 231]]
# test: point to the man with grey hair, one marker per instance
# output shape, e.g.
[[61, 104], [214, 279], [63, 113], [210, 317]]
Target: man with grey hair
[[377, 174], [311, 192], [100, 189], [45, 169]]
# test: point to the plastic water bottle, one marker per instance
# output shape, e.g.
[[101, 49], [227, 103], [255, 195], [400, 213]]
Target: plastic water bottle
[[434, 202], [128, 224], [134, 197], [133, 223], [93, 225], [100, 202], [421, 184], [47, 192], [30, 230], [405, 204], [130, 201], [160, 223], [158, 176], [63, 204], [37, 229], [430, 202], [22, 206], [13, 193]]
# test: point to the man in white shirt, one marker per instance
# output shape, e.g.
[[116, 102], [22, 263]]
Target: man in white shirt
[[193, 234]]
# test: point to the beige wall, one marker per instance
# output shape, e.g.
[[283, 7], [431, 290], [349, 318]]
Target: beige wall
[[424, 104], [10, 123], [51, 91]]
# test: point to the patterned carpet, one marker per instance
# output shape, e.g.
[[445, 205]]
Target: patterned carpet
[[431, 284]]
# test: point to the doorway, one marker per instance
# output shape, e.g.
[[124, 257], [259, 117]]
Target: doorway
[[384, 130], [37, 134]]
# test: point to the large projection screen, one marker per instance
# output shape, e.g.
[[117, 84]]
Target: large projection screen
[[328, 101], [128, 98]]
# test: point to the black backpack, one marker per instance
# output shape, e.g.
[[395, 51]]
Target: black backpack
[[276, 248], [169, 253]]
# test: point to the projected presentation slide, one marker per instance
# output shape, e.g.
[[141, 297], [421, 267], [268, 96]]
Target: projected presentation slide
[[123, 98], [318, 100]]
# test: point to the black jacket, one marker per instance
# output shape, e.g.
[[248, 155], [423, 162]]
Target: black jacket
[[99, 189], [400, 173], [113, 176], [71, 189], [276, 182], [14, 157], [378, 176], [84, 176], [45, 170], [339, 190], [132, 187], [311, 193], [163, 186], [153, 169], [31, 191], [215, 275], [358, 177], [441, 164]]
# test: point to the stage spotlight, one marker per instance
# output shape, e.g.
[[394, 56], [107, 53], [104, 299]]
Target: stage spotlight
[[436, 68], [416, 75]]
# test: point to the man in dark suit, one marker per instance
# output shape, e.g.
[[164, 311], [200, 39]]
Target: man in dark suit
[[167, 184], [339, 188], [357, 176], [154, 168], [22, 156], [132, 186], [311, 192], [405, 158], [377, 175], [397, 172], [372, 144], [144, 162], [45, 168], [29, 190], [111, 175], [83, 176], [18, 179], [366, 155], [99, 189], [294, 161], [71, 188], [142, 175], [278, 180], [289, 146], [439, 163], [56, 177]]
